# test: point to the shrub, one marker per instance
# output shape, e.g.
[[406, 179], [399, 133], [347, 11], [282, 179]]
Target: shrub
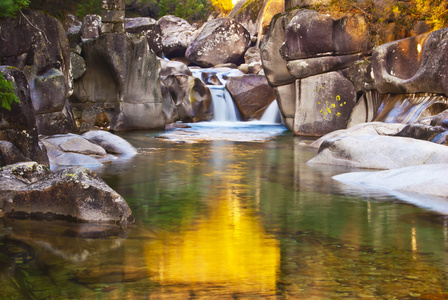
[[7, 95]]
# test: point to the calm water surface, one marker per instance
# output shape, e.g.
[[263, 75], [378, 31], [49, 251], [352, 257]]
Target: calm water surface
[[233, 217]]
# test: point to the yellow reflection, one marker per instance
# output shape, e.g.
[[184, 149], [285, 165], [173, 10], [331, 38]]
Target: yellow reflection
[[228, 248]]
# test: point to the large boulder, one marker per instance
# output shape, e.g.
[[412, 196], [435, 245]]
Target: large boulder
[[18, 126], [121, 80], [425, 179], [150, 28], [254, 13], [177, 34], [274, 66], [379, 152], [74, 193], [286, 99], [44, 57], [324, 104], [412, 65], [91, 27], [220, 41], [311, 34], [110, 142], [251, 94]]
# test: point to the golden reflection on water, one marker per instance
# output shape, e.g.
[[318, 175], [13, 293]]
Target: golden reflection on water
[[228, 248]]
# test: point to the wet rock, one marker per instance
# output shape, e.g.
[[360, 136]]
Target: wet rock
[[191, 97], [74, 143], [252, 61], [177, 34], [111, 273], [75, 193], [18, 126], [379, 152], [91, 27], [426, 179], [365, 109], [412, 65], [110, 142], [251, 94], [220, 41], [324, 104], [274, 66], [311, 34], [440, 119], [64, 159], [421, 131], [169, 107], [122, 80]]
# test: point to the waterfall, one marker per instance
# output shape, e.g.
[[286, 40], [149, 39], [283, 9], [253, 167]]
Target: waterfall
[[407, 108], [272, 114], [223, 106]]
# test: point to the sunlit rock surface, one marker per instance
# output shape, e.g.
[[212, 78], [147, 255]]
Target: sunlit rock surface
[[379, 152], [220, 41], [177, 34], [75, 193]]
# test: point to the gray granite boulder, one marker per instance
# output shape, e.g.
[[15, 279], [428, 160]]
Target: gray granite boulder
[[177, 34], [110, 142], [74, 193], [91, 27], [220, 41], [379, 152]]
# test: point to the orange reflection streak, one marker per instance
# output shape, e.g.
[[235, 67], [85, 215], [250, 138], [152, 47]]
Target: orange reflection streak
[[228, 248]]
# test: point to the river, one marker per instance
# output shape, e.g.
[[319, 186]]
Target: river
[[231, 212]]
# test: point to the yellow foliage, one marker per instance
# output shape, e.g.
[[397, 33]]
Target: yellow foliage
[[224, 6]]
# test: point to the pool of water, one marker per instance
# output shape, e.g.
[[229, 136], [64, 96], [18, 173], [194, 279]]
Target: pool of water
[[231, 218]]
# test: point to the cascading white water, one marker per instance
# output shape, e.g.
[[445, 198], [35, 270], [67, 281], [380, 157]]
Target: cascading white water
[[224, 108]]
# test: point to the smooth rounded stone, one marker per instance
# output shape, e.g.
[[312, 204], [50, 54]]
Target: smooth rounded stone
[[371, 128], [379, 152], [60, 158], [312, 66], [220, 41], [324, 104], [78, 65], [75, 193], [412, 65], [311, 34], [170, 67], [75, 143], [91, 27], [251, 94], [111, 273], [425, 179], [110, 142], [274, 66]]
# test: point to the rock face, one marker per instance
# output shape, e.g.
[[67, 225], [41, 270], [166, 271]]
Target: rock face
[[220, 41], [18, 126], [44, 57], [121, 81], [150, 28], [326, 102], [379, 152], [191, 98], [177, 34], [306, 57], [412, 65], [75, 193], [251, 94]]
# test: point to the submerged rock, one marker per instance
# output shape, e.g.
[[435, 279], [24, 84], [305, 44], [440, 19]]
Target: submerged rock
[[379, 152], [220, 41], [75, 193]]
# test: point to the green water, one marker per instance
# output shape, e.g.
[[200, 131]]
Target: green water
[[231, 220]]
